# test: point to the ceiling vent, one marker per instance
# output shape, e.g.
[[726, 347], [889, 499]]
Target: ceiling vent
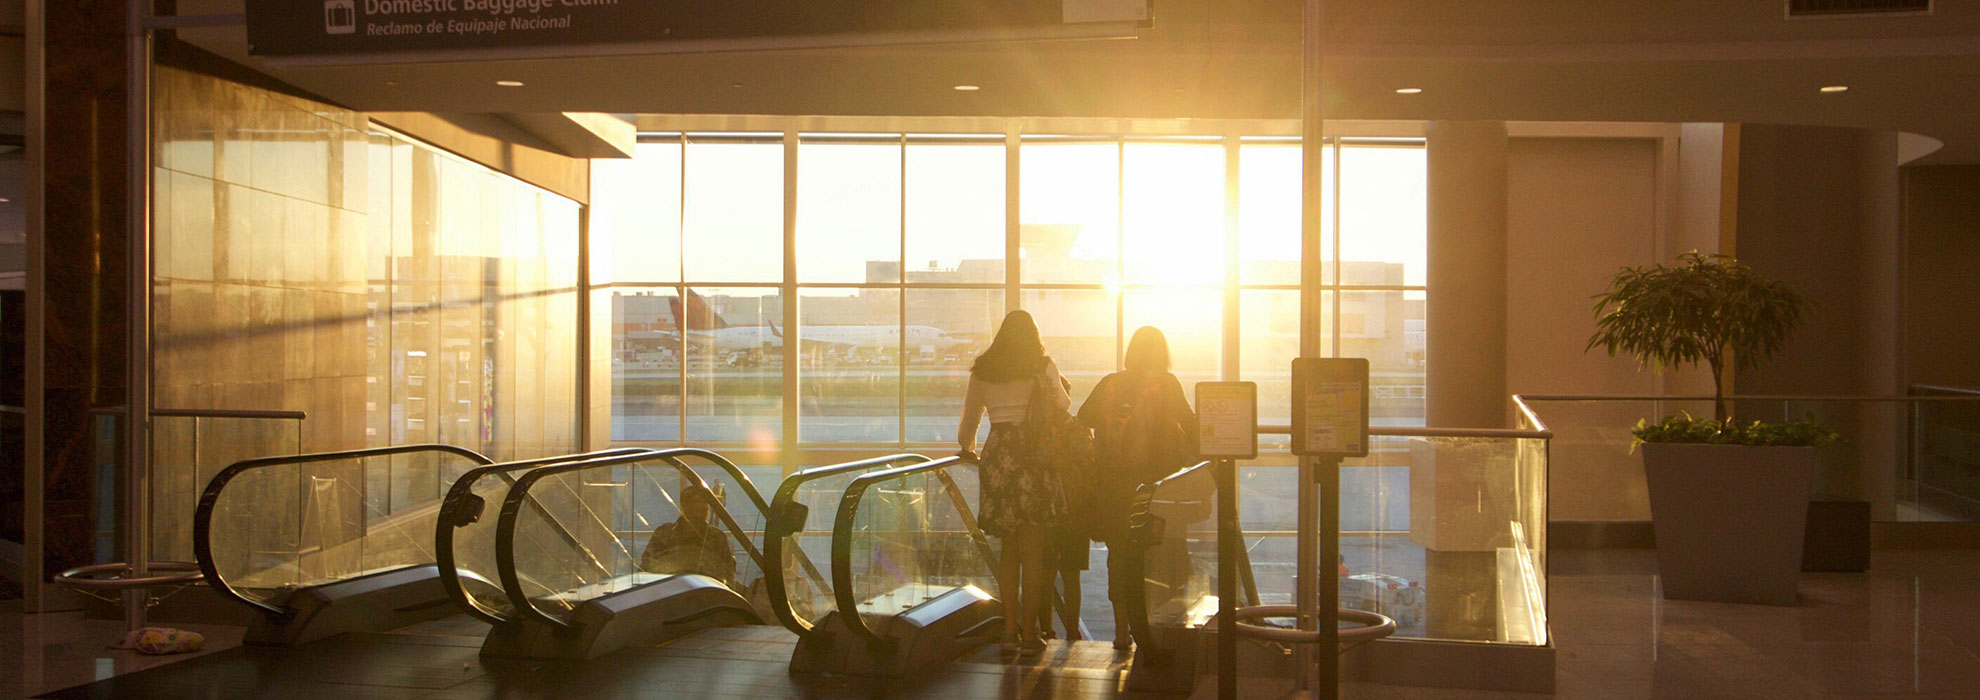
[[1857, 8]]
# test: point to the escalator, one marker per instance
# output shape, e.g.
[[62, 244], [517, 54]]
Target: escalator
[[597, 555], [911, 575], [326, 543], [1172, 552], [799, 533]]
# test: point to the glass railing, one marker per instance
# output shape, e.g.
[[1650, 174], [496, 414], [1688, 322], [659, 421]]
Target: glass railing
[[612, 524], [265, 527], [1910, 457], [905, 536], [1447, 537], [464, 540], [1468, 562], [1945, 467], [799, 534], [188, 448]]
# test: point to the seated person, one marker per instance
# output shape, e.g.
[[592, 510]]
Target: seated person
[[692, 543]]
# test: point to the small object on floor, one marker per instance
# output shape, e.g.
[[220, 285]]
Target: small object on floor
[[161, 640]]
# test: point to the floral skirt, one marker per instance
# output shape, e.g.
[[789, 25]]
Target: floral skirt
[[1019, 486]]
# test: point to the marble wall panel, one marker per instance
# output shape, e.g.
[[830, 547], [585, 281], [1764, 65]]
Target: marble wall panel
[[308, 261]]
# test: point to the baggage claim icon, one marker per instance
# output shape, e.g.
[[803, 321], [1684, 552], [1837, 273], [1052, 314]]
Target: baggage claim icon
[[339, 17]]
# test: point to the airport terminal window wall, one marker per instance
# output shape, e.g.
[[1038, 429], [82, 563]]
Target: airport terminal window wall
[[901, 250], [899, 246]]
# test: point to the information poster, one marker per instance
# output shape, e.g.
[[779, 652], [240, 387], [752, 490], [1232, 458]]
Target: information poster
[[1227, 420], [1330, 407], [402, 30]]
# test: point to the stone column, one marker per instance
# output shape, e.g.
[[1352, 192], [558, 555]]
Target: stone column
[[77, 293]]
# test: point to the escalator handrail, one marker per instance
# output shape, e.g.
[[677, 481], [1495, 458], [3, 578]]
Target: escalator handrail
[[209, 498], [505, 529], [462, 508], [842, 588], [785, 521], [718, 461]]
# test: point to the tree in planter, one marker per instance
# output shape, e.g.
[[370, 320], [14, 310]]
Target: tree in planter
[[1705, 308]]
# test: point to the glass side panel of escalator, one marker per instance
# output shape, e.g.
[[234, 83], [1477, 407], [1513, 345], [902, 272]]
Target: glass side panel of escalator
[[287, 526], [613, 528], [804, 545], [915, 537], [1179, 563]]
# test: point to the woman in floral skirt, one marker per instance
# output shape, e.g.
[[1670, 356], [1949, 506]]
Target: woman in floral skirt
[[1022, 499]]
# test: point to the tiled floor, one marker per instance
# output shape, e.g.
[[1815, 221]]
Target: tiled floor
[[1908, 629]]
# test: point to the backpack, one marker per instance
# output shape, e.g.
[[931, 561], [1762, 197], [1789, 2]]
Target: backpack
[[1137, 433]]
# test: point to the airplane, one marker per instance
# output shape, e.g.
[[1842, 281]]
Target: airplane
[[705, 328]]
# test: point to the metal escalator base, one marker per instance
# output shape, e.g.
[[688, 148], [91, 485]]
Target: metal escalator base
[[378, 602], [647, 615], [927, 636], [1170, 664]]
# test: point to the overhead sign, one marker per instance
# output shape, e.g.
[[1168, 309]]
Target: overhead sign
[[1227, 420], [1330, 406], [455, 29]]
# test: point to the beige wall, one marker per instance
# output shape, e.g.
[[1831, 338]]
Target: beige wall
[[1579, 209]]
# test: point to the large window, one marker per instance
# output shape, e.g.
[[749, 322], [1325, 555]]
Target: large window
[[900, 244]]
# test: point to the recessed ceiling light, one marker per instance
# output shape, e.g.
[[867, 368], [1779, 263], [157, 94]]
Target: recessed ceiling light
[[967, 88], [735, 85], [1408, 91], [509, 83], [1835, 88], [391, 82]]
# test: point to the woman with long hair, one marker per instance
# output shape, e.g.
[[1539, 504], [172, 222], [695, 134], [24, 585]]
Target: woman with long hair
[[1143, 430], [1022, 499]]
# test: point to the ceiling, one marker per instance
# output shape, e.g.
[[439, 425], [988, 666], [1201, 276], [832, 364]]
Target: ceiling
[[1537, 60]]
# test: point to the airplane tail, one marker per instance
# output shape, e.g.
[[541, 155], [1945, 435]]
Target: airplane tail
[[698, 316]]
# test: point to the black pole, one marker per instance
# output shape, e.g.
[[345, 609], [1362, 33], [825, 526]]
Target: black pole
[[1230, 545], [1328, 651]]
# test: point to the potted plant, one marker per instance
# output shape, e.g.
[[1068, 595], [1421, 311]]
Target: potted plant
[[1728, 500]]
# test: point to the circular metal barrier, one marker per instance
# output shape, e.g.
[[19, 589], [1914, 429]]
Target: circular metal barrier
[[1371, 626], [115, 576]]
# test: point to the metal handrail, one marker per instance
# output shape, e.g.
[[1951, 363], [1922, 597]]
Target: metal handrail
[[203, 516], [505, 528], [206, 413], [787, 517], [1824, 398], [461, 508], [1955, 390], [842, 588], [1396, 431]]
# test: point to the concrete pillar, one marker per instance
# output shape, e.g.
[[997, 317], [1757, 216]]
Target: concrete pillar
[[1465, 349]]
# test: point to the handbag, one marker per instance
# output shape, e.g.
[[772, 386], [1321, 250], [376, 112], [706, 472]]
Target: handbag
[[1061, 440]]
